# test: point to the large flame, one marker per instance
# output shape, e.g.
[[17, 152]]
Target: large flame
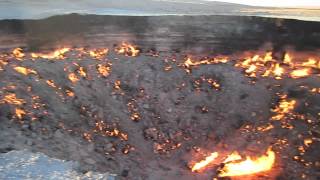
[[249, 166], [202, 164], [57, 54], [300, 73]]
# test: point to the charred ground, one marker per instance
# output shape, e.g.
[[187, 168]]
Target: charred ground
[[147, 116]]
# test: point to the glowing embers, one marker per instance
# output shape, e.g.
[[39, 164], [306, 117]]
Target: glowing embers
[[76, 73], [127, 50], [284, 108], [235, 165], [239, 167], [51, 83], [104, 69], [24, 71], [12, 99], [133, 110], [112, 130], [57, 54], [189, 63], [199, 84], [164, 144]]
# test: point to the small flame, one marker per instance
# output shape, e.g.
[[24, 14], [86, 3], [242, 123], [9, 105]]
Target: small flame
[[249, 166], [73, 77], [127, 50], [98, 53], [24, 71], [104, 70], [18, 53], [202, 164], [82, 72], [20, 113], [12, 99], [51, 83], [70, 93], [189, 63]]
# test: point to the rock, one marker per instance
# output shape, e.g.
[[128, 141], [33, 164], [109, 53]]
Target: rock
[[58, 134], [34, 135], [29, 142], [146, 106], [108, 147], [89, 174], [25, 126], [151, 133], [125, 173], [90, 147], [90, 161], [27, 165]]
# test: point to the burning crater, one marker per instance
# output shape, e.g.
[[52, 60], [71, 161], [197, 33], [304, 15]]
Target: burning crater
[[145, 113]]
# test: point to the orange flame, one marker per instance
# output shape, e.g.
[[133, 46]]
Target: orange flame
[[73, 77], [127, 50], [98, 53], [104, 70], [249, 166], [12, 99], [284, 108], [17, 52], [57, 54], [189, 63], [20, 113], [300, 73], [232, 157], [24, 71], [202, 164]]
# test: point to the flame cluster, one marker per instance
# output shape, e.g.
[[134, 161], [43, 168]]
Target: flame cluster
[[235, 165], [264, 65], [268, 66], [127, 50], [99, 53], [284, 108], [104, 69]]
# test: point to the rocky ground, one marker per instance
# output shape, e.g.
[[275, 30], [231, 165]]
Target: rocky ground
[[152, 116]]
